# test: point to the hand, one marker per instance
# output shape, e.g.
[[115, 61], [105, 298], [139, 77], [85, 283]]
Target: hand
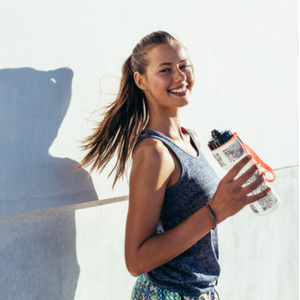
[[230, 197]]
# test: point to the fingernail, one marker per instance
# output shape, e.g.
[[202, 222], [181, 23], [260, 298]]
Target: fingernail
[[258, 165], [264, 176], [249, 157]]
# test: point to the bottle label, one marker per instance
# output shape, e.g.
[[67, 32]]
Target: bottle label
[[229, 154], [264, 203]]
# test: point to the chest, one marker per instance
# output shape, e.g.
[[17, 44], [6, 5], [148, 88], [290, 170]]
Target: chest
[[196, 186]]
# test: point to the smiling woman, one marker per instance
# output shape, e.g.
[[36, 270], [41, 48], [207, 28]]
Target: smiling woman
[[161, 84], [176, 200]]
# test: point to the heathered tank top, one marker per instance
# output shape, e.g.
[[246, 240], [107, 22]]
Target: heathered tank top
[[197, 269]]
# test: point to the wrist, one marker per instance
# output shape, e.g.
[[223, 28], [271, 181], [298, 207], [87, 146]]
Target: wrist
[[212, 217], [214, 210]]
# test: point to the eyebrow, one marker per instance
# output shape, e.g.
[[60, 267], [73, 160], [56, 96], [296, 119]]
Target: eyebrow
[[167, 64]]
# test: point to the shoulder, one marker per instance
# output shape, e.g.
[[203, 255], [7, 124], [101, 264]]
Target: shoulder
[[152, 165], [195, 136], [152, 149]]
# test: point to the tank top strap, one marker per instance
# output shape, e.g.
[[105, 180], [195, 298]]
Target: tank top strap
[[148, 133], [193, 139]]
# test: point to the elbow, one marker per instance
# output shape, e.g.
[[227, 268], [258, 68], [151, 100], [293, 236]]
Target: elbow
[[134, 272], [133, 267]]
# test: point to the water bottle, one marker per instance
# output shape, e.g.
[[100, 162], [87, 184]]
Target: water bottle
[[228, 149]]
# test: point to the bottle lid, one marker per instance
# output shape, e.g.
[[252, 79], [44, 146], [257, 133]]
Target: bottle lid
[[219, 138]]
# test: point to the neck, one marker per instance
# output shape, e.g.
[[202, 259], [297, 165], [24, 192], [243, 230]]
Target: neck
[[166, 122]]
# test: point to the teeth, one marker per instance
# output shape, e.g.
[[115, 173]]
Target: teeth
[[178, 90]]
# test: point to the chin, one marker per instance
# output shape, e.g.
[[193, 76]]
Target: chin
[[184, 103]]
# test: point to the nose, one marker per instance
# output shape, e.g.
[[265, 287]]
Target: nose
[[179, 75]]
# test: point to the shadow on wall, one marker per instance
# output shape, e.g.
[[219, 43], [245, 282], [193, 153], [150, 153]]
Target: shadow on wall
[[38, 250], [38, 258], [32, 107]]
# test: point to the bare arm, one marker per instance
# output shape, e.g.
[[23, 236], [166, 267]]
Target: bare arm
[[151, 172], [144, 250]]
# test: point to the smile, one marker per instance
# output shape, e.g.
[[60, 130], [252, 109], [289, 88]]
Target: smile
[[179, 91]]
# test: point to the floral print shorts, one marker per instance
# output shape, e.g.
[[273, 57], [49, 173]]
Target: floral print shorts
[[145, 290]]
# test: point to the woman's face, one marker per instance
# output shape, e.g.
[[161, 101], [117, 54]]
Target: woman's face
[[169, 77]]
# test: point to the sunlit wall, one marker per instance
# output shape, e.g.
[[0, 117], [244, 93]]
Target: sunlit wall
[[61, 62]]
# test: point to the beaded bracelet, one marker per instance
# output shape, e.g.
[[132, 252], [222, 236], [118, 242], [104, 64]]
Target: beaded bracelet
[[211, 216]]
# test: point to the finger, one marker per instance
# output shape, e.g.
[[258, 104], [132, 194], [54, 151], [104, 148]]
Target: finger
[[247, 175], [263, 194], [238, 167], [260, 179]]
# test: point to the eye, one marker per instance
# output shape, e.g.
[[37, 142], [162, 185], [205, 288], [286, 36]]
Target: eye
[[185, 67], [165, 70]]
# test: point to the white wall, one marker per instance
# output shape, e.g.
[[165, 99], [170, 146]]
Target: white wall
[[76, 252], [260, 255], [52, 56]]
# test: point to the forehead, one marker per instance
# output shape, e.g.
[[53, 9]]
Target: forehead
[[166, 53]]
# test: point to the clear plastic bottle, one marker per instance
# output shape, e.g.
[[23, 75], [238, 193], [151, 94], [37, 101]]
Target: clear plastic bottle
[[228, 149]]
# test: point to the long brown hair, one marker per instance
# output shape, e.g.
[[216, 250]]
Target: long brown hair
[[127, 116]]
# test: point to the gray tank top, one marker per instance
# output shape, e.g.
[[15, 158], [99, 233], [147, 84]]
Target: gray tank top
[[197, 269]]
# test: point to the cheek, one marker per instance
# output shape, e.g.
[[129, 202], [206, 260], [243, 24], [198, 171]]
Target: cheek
[[161, 83], [191, 79]]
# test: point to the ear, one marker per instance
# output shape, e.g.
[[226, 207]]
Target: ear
[[140, 81]]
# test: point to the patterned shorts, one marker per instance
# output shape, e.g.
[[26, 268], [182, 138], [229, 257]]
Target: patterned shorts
[[145, 290]]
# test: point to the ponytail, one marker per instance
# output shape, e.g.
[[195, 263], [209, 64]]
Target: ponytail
[[118, 131], [127, 116]]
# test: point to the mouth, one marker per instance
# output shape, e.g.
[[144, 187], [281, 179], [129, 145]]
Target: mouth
[[179, 91]]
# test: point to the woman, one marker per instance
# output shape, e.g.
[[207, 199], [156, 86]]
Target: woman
[[175, 198]]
